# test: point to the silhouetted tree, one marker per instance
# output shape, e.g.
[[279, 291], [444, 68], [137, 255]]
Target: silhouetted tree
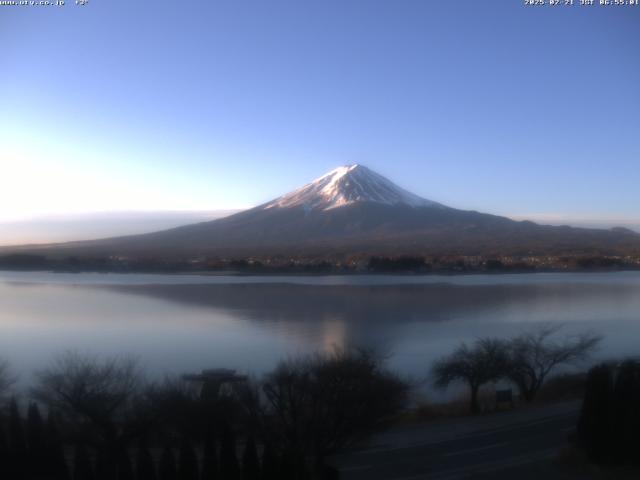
[[16, 430], [269, 463], [176, 405], [84, 388], [168, 470], [36, 441], [229, 468], [17, 444], [35, 428], [209, 459], [125, 470], [5, 466], [594, 424], [56, 462], [286, 466], [484, 362], [145, 468], [105, 468], [626, 413], [187, 461], [319, 404], [533, 355], [82, 465], [106, 464], [250, 461]]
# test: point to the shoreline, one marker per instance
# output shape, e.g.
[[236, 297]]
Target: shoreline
[[298, 273]]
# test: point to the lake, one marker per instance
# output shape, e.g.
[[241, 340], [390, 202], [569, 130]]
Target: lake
[[184, 323]]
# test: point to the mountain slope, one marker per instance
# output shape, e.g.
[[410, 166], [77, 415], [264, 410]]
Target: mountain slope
[[355, 210]]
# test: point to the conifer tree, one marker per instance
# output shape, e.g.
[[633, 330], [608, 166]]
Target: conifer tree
[[229, 468], [269, 463], [168, 470], [187, 461], [625, 408], [4, 452], [18, 461], [16, 430], [105, 467], [594, 424], [35, 441], [56, 462], [250, 462], [35, 430], [82, 466], [210, 459], [635, 419], [286, 466], [125, 470], [145, 468]]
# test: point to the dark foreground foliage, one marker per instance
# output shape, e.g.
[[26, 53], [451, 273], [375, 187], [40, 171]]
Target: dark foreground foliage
[[610, 418], [105, 423]]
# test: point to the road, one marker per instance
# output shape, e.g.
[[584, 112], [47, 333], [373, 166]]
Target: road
[[463, 448]]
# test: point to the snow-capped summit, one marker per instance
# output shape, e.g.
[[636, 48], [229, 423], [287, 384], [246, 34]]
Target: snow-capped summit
[[347, 185]]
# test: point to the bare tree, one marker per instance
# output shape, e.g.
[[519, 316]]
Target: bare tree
[[88, 389], [313, 406], [476, 365], [534, 354]]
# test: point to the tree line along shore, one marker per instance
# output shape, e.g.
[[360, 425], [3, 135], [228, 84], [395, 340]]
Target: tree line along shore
[[351, 264]]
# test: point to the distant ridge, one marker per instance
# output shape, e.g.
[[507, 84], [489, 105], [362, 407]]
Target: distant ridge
[[353, 210]]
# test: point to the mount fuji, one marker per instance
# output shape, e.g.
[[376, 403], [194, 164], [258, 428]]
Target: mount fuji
[[346, 186], [354, 210]]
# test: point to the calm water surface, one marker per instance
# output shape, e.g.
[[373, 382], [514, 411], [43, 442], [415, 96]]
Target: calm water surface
[[182, 323]]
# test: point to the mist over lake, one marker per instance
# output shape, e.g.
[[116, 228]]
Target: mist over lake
[[184, 323]]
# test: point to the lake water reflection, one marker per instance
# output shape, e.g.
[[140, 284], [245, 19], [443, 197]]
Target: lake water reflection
[[175, 324]]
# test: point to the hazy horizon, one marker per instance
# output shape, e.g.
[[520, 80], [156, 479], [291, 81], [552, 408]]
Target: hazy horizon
[[96, 225]]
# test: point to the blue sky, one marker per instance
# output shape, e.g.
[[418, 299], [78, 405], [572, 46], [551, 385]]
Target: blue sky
[[157, 105]]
